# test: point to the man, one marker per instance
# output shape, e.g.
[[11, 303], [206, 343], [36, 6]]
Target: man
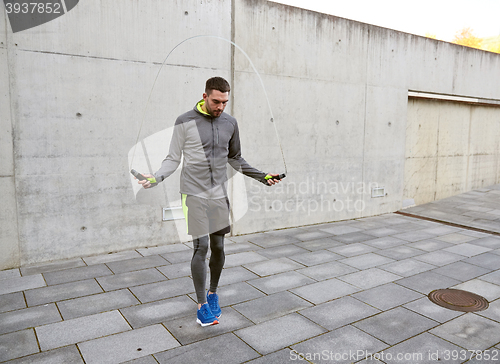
[[209, 139]]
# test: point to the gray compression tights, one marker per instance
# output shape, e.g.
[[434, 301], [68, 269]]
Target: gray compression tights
[[199, 265]]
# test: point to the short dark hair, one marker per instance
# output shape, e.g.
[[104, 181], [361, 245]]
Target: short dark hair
[[217, 83]]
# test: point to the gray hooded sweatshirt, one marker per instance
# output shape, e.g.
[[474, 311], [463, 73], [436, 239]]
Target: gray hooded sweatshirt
[[207, 144]]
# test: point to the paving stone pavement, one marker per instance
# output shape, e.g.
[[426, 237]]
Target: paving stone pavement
[[479, 209], [344, 292]]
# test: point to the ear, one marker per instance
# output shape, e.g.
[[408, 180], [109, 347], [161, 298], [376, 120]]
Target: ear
[[205, 96]]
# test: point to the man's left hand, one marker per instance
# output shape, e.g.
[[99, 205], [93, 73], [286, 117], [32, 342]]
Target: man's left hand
[[273, 181]]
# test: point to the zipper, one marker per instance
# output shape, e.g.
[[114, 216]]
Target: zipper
[[213, 153]]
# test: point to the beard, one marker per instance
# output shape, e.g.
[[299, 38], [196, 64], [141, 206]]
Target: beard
[[212, 112]]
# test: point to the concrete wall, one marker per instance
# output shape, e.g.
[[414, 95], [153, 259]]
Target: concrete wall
[[9, 247], [73, 93], [77, 93], [451, 148], [340, 91]]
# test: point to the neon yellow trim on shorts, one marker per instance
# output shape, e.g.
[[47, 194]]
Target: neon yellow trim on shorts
[[185, 211]]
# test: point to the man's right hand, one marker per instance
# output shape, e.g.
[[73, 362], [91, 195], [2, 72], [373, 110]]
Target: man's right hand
[[145, 183]]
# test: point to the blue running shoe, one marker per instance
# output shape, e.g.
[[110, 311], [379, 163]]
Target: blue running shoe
[[205, 317], [213, 302]]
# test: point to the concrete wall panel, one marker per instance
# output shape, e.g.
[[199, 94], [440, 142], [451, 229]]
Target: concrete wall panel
[[451, 148], [388, 64], [484, 146], [429, 65], [9, 238], [10, 256], [451, 176], [131, 30], [6, 140], [454, 129], [384, 148], [294, 42], [387, 173], [441, 67], [468, 72], [3, 27], [384, 125], [79, 89], [421, 130], [73, 188], [484, 131], [420, 176], [90, 116], [317, 149], [482, 170]]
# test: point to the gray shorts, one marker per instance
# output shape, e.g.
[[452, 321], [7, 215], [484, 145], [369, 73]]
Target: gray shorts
[[204, 216]]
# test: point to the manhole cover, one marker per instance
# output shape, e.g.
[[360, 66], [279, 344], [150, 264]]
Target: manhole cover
[[458, 300]]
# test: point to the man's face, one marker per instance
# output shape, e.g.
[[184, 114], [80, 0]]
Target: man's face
[[216, 102]]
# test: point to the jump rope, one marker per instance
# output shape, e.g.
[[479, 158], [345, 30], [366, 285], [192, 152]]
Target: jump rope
[[141, 177]]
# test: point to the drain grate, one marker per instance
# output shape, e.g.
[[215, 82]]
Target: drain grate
[[458, 300]]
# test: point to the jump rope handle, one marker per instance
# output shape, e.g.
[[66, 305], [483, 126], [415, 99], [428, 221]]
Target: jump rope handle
[[141, 177], [275, 178]]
